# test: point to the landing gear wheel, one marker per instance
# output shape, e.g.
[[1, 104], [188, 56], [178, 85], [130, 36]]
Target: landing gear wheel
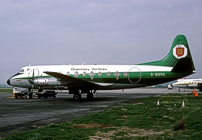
[[200, 89], [39, 96], [77, 97], [90, 96]]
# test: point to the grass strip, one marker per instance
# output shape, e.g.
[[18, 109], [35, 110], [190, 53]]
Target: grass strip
[[137, 119], [5, 90]]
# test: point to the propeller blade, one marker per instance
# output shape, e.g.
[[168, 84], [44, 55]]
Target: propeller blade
[[31, 79], [33, 75]]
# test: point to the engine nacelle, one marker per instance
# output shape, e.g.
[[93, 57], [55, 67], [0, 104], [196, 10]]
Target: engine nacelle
[[47, 81], [193, 86]]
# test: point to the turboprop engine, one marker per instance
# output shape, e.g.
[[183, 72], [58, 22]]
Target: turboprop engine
[[46, 81], [193, 86]]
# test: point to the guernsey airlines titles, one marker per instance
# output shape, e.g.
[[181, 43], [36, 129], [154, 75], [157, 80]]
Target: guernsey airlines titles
[[87, 69], [79, 79]]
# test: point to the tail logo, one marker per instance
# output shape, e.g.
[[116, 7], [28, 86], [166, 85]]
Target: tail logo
[[180, 51]]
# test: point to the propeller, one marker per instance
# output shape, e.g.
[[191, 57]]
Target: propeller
[[31, 80]]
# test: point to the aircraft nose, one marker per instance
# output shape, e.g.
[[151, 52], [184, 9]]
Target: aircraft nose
[[8, 82]]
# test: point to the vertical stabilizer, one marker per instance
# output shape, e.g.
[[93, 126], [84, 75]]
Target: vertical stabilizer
[[179, 57]]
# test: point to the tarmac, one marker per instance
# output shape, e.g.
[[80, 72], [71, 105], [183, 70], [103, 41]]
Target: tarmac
[[17, 115]]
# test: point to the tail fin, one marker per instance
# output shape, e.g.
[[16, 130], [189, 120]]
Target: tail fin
[[179, 57]]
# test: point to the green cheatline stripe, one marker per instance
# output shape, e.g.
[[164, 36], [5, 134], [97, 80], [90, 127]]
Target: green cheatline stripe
[[145, 79], [34, 77], [152, 74]]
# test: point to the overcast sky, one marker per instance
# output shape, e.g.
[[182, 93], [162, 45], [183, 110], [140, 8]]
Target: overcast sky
[[95, 31]]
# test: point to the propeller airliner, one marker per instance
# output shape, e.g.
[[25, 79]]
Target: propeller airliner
[[79, 79], [188, 83]]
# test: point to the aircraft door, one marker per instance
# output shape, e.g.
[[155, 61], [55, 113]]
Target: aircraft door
[[134, 75]]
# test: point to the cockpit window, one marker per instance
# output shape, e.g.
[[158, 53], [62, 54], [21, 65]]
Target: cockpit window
[[22, 70]]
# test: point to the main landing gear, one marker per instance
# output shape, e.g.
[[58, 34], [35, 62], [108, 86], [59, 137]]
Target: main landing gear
[[77, 97], [90, 96], [77, 94]]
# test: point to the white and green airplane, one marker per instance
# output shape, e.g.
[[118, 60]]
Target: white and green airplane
[[188, 83], [80, 79]]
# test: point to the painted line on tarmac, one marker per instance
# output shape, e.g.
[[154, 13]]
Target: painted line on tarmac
[[157, 91], [10, 97]]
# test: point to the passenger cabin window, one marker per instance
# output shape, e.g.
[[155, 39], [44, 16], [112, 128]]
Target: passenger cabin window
[[99, 74], [84, 74], [116, 75], [108, 74], [125, 74], [76, 74], [27, 69], [91, 74]]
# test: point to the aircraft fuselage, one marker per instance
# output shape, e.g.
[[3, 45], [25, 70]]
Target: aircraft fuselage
[[108, 76]]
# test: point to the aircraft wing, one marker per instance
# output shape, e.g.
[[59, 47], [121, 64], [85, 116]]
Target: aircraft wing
[[74, 82]]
